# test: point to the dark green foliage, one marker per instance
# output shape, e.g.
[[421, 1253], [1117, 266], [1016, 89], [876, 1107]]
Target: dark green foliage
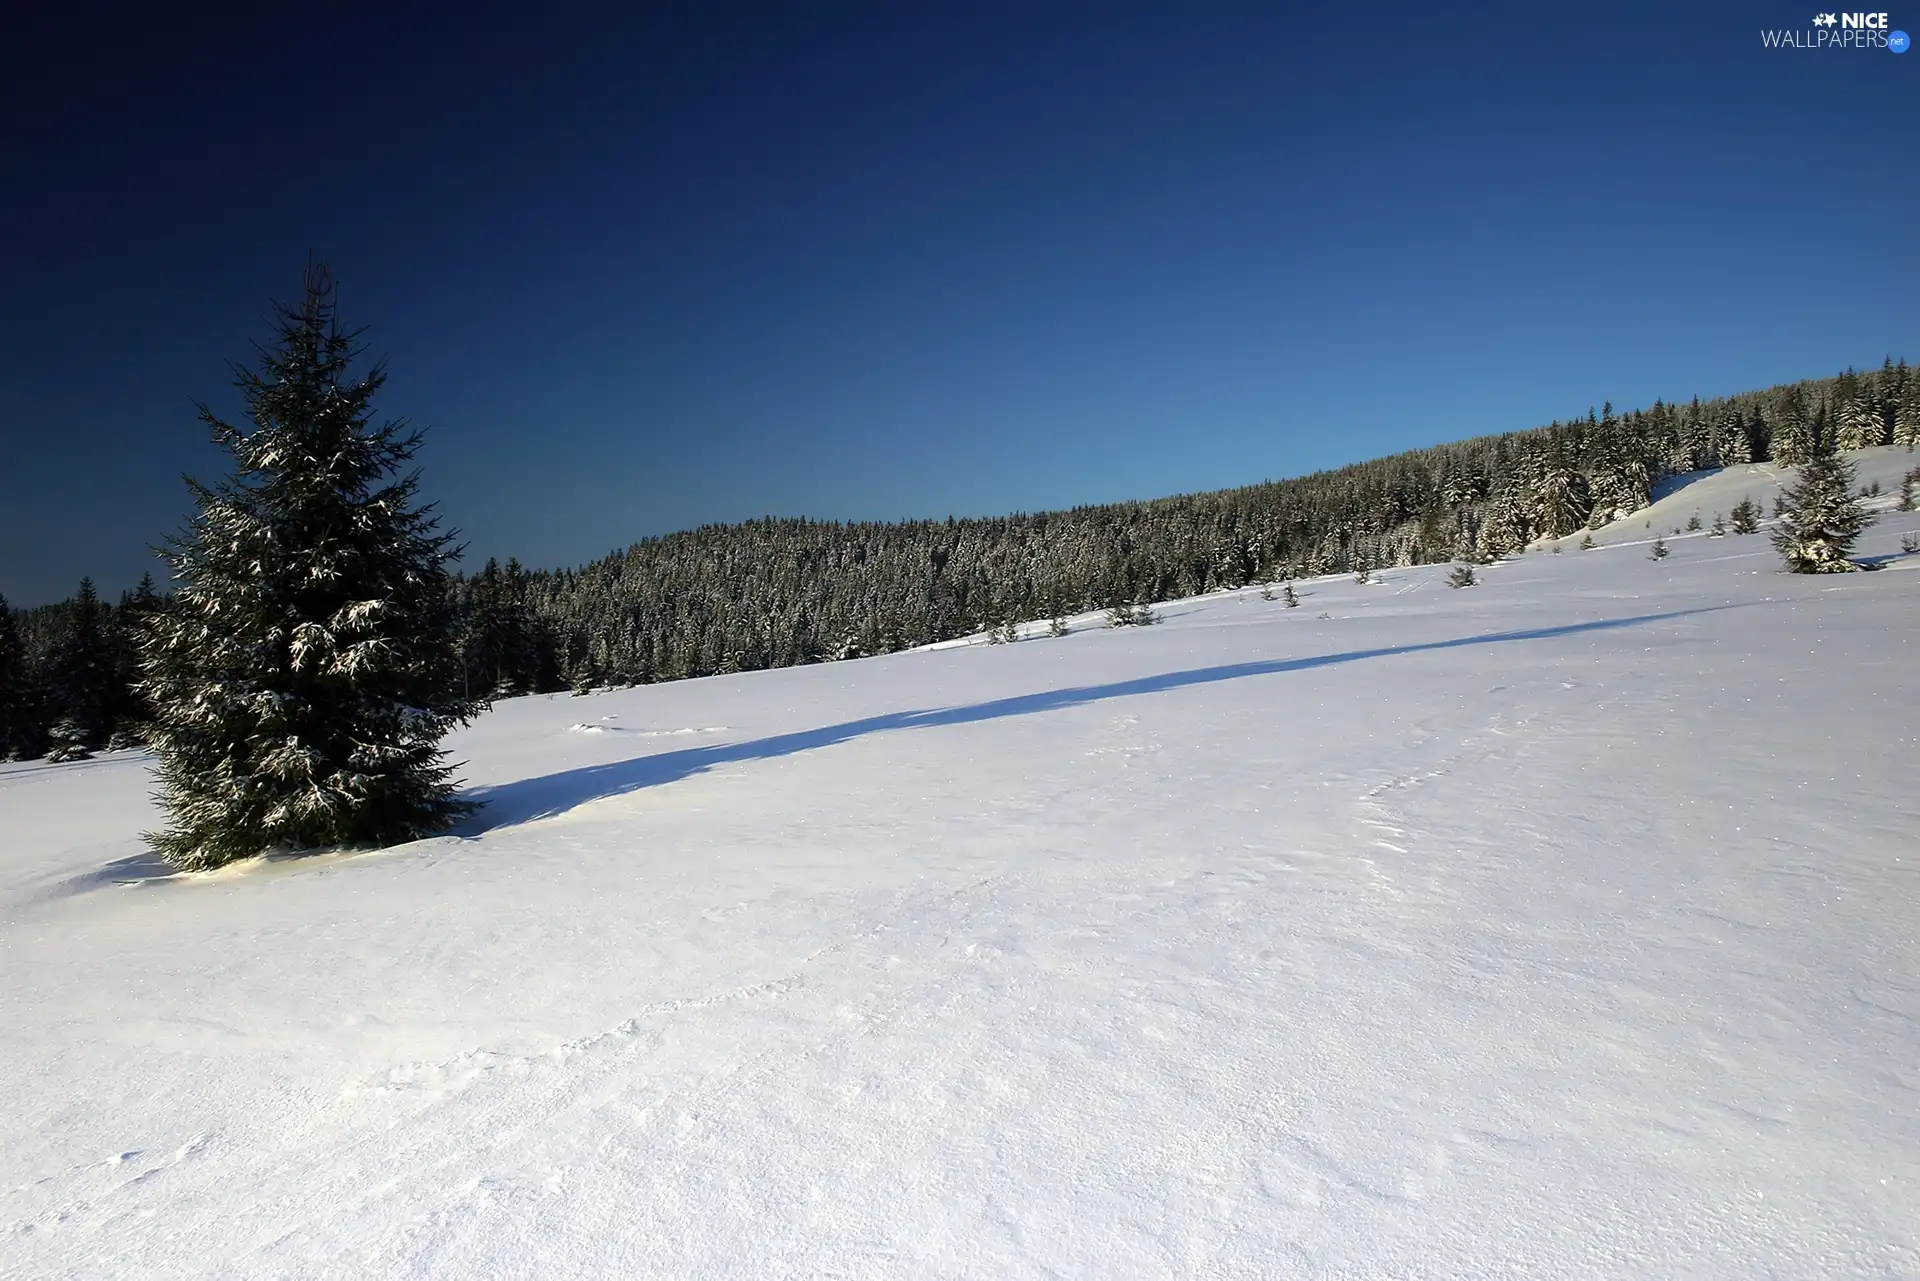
[[1287, 593], [1906, 414], [1857, 419], [82, 685], [1822, 519], [1659, 549], [504, 648], [68, 741], [771, 593], [1795, 434], [307, 671], [1745, 516], [72, 668], [20, 732], [1461, 576], [1586, 542]]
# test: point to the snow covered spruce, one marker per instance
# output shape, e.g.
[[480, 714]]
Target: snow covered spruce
[[307, 671], [1822, 519]]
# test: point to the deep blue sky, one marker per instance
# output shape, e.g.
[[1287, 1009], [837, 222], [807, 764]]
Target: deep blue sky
[[675, 266]]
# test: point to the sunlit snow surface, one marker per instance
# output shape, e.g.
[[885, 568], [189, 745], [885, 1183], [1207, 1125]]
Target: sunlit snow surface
[[1566, 926]]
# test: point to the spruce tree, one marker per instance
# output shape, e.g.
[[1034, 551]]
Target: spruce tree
[[1659, 549], [1795, 438], [83, 677], [1859, 425], [1906, 415], [19, 718], [129, 712], [1822, 518], [307, 672], [1746, 516], [1461, 576], [1736, 440], [1856, 416], [67, 741], [1291, 597]]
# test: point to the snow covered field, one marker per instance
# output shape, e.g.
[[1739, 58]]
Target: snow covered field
[[1566, 926]]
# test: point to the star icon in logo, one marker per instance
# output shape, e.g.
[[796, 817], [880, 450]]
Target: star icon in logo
[[1824, 20]]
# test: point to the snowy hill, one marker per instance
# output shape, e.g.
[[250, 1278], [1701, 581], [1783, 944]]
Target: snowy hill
[[1561, 926]]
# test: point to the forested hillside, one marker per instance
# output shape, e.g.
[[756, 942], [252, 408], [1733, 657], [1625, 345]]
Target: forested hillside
[[776, 592], [770, 593]]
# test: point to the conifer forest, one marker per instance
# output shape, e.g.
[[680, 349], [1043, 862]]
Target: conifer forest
[[776, 592]]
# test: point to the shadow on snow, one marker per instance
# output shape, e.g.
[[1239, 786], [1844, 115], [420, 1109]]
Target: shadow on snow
[[524, 800]]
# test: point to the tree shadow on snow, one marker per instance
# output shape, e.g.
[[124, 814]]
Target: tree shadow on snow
[[524, 800]]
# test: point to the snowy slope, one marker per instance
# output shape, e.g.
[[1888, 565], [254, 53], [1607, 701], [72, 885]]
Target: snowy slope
[[1565, 926]]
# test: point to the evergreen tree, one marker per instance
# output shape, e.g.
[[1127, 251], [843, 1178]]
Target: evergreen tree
[[67, 741], [1289, 595], [1857, 421], [1795, 437], [307, 672], [1461, 576], [504, 649], [1822, 519], [1586, 542], [769, 593], [83, 676], [1719, 529], [1735, 440], [130, 713], [1906, 416], [1659, 549], [19, 718]]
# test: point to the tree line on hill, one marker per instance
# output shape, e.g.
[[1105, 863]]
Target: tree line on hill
[[779, 592]]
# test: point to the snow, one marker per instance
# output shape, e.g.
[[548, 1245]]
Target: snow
[[1562, 926]]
